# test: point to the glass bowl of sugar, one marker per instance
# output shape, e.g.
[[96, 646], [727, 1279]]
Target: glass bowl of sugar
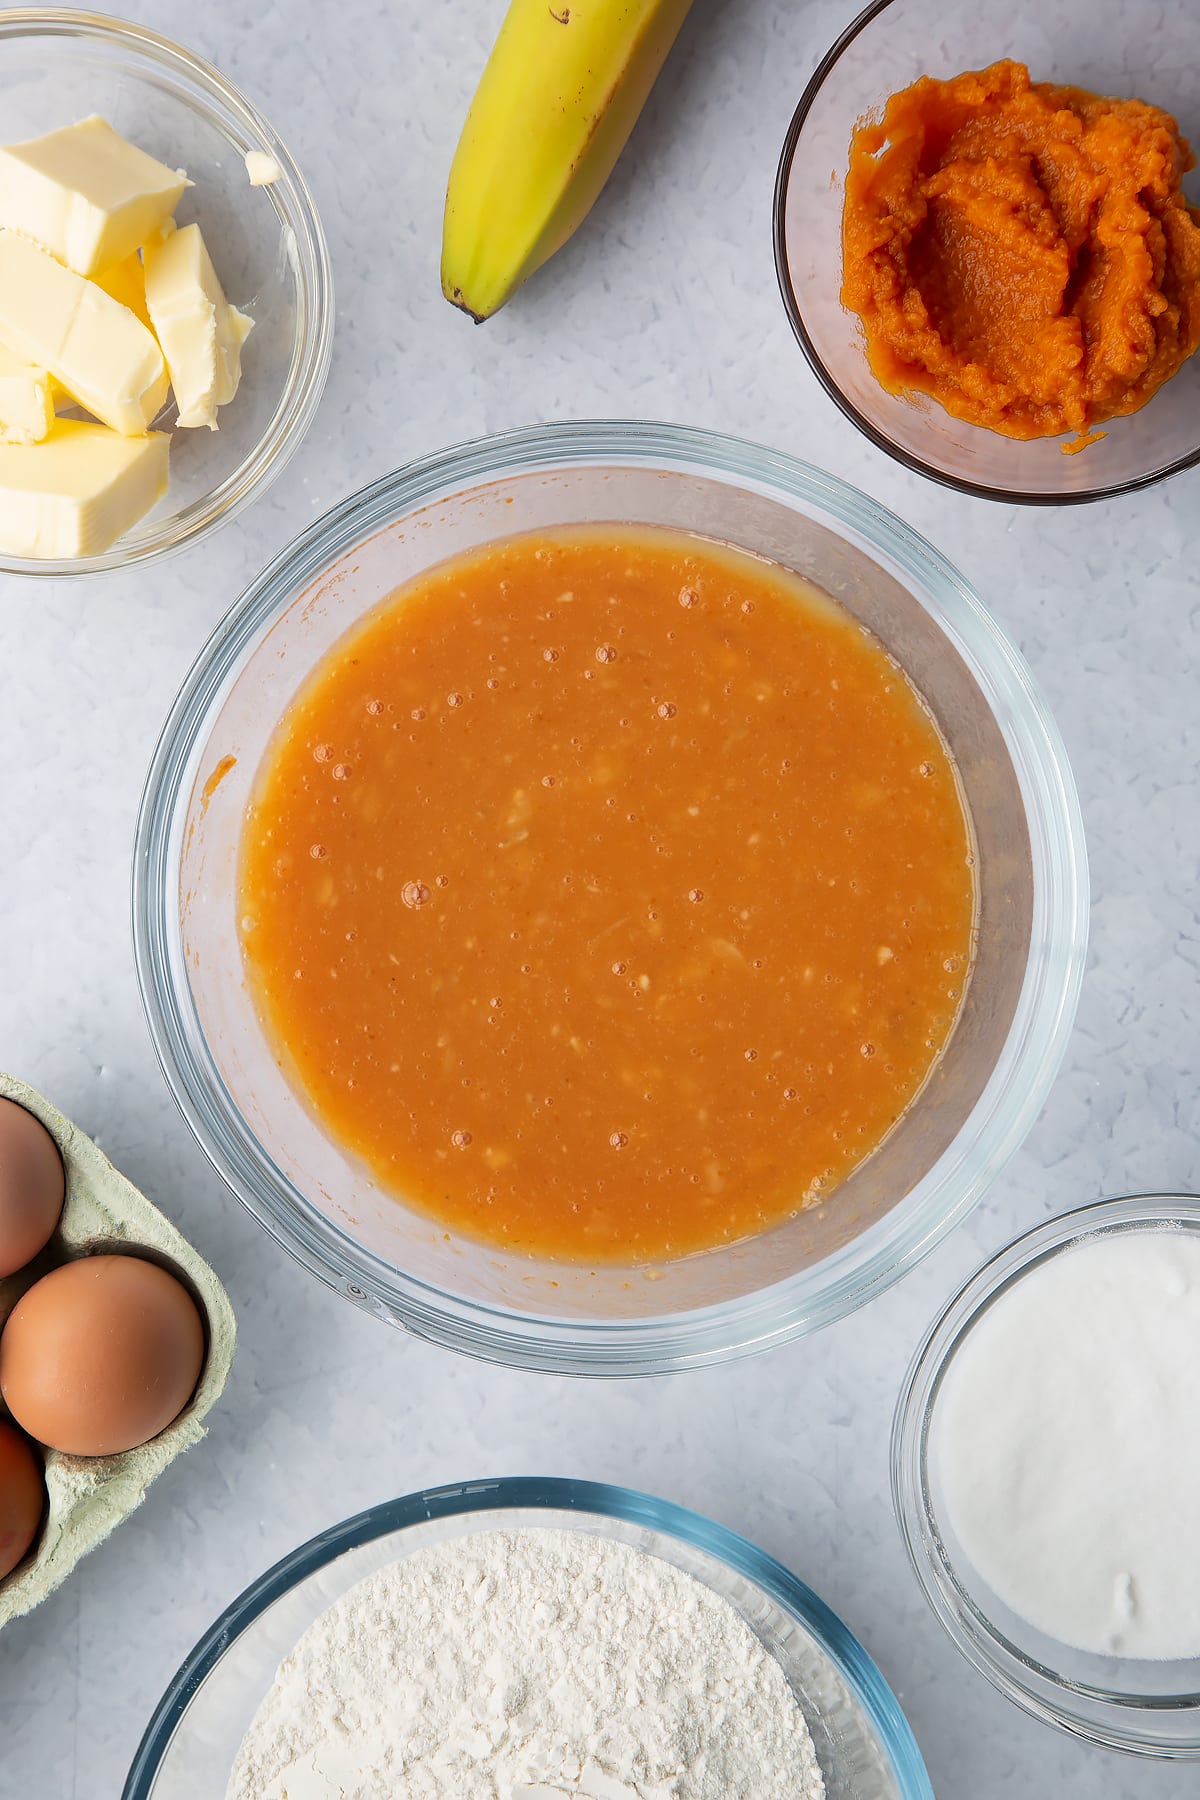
[[215, 1705], [1046, 1472]]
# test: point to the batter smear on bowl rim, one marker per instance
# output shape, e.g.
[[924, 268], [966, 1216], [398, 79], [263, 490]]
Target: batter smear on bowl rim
[[609, 893]]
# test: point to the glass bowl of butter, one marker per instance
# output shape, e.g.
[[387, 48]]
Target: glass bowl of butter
[[166, 304]]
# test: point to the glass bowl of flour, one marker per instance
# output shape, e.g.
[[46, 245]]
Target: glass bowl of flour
[[1046, 1472], [459, 1642]]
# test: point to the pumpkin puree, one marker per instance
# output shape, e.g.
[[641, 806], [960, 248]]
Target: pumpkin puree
[[1022, 252]]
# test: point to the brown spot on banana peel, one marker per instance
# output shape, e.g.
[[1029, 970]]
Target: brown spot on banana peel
[[562, 18], [456, 299]]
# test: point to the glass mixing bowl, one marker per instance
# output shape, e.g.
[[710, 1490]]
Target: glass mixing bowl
[[862, 1739], [1152, 1708], [973, 1111], [57, 66], [1102, 45]]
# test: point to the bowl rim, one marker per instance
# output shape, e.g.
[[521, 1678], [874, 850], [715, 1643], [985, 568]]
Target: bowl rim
[[594, 1499], [1014, 1095], [1013, 496], [1113, 1718], [296, 211]]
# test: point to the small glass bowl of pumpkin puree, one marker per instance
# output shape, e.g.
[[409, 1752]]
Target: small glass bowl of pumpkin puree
[[609, 898], [987, 234]]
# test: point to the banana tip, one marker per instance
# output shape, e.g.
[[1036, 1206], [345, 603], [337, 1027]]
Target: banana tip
[[456, 297]]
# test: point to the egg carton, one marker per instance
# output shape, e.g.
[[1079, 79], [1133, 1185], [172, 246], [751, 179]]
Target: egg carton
[[89, 1495]]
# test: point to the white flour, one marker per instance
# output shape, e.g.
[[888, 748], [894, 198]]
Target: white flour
[[529, 1665]]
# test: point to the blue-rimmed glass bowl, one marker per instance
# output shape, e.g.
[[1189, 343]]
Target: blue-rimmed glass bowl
[[862, 1739], [975, 1108]]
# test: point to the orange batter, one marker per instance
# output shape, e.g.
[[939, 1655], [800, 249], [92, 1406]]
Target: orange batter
[[609, 894], [1022, 252]]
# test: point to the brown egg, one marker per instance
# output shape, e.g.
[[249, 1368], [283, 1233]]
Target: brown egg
[[22, 1497], [32, 1186], [101, 1355]]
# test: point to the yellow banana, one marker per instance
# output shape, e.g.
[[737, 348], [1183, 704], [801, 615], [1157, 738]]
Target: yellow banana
[[561, 92]]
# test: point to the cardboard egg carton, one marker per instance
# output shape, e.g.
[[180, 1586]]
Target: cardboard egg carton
[[89, 1495]]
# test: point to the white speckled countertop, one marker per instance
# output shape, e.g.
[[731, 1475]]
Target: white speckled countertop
[[665, 306]]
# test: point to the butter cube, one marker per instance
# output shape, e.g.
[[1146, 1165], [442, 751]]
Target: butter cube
[[104, 357], [262, 169], [200, 333], [85, 193], [125, 282], [78, 490], [26, 402]]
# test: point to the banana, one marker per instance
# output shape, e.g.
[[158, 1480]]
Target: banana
[[561, 92]]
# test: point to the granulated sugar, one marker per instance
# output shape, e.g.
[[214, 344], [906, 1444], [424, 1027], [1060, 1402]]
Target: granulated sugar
[[1064, 1441], [529, 1665]]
